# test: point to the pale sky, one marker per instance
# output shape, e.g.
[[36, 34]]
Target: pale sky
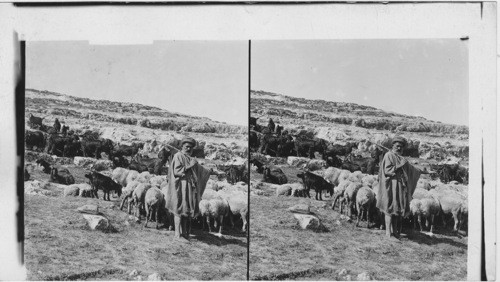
[[423, 77], [199, 78]]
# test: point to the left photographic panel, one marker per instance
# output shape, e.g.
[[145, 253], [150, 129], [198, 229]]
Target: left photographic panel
[[136, 160]]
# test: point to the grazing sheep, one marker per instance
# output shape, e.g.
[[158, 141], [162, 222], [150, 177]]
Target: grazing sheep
[[298, 190], [218, 209], [238, 205], [127, 191], [283, 190], [332, 175], [356, 176], [420, 193], [157, 180], [350, 196], [71, 190], [86, 190], [61, 176], [138, 198], [451, 204], [144, 177], [209, 194], [154, 202], [368, 180], [365, 203], [131, 176], [204, 206], [339, 193], [428, 208], [119, 175]]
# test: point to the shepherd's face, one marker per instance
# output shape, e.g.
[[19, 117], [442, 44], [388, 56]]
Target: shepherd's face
[[187, 148], [397, 147]]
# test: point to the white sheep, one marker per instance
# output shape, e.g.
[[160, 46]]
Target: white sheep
[[332, 175], [131, 176], [365, 203], [344, 174], [368, 180], [356, 176], [298, 189], [283, 190], [127, 194], [144, 177], [350, 196], [451, 204], [204, 206], [420, 193], [154, 203], [427, 207], [86, 190], [209, 194], [218, 209], [119, 175], [157, 180], [238, 205], [338, 195], [138, 197]]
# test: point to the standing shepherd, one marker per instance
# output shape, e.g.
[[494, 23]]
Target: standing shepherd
[[397, 182], [187, 181]]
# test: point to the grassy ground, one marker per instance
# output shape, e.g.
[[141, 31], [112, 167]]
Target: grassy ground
[[59, 245], [280, 250]]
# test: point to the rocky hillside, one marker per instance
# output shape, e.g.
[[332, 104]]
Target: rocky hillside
[[340, 122], [125, 123], [51, 103]]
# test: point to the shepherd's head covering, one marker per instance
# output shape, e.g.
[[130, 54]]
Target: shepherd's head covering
[[400, 140], [188, 140]]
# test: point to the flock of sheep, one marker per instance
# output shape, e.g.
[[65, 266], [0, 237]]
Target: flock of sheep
[[356, 193], [144, 193]]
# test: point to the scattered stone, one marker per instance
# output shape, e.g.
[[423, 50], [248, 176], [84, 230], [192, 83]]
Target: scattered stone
[[133, 273], [89, 209], [155, 277], [283, 190], [139, 278], [84, 161], [71, 190], [36, 187], [300, 208], [364, 277], [348, 278], [297, 161], [97, 222], [101, 165], [307, 221], [343, 272]]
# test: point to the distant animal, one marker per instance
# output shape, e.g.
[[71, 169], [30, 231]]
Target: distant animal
[[316, 182], [271, 125], [34, 139], [35, 122], [307, 147], [61, 176], [274, 175], [46, 166], [56, 145], [126, 150], [95, 148], [258, 164], [102, 182], [57, 125], [64, 130], [153, 165]]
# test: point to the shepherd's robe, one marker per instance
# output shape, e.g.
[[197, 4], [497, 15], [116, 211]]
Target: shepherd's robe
[[397, 182], [183, 193]]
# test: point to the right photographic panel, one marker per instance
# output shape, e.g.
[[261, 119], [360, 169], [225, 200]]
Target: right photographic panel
[[359, 153]]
